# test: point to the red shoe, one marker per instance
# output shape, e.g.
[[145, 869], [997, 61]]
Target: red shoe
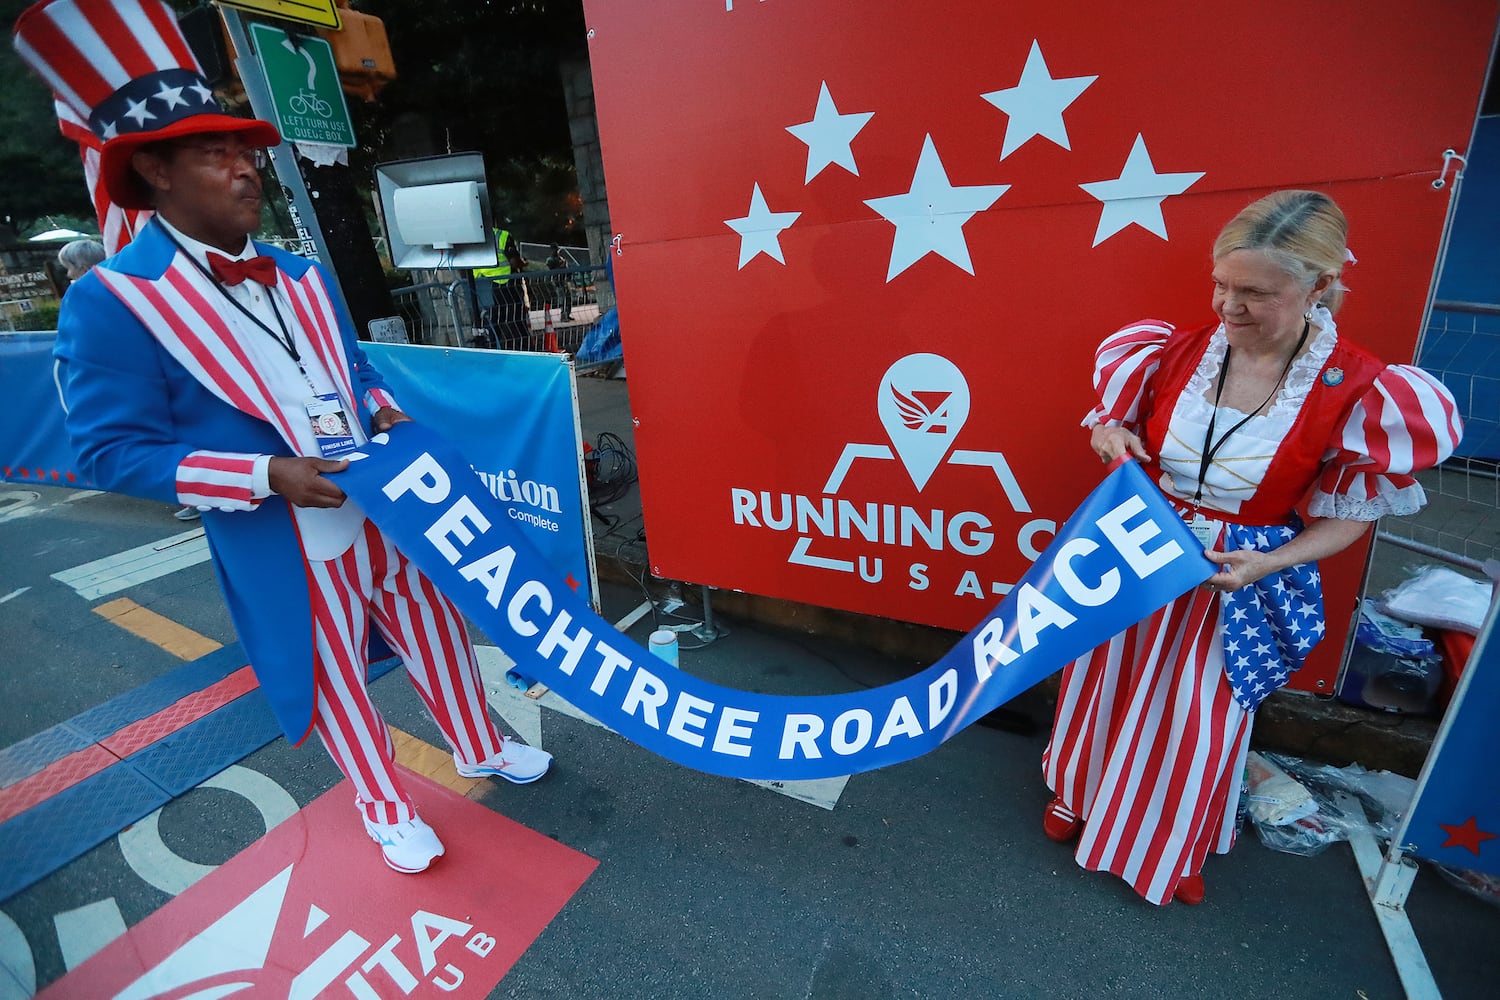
[[1059, 822], [1189, 890]]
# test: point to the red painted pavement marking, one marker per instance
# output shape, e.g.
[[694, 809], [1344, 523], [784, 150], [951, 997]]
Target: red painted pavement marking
[[139, 735], [68, 771], [310, 909]]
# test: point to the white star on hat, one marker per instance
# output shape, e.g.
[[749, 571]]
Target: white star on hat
[[1036, 104], [109, 131], [760, 231], [137, 110], [829, 134], [172, 96], [930, 216], [204, 94], [1135, 196]]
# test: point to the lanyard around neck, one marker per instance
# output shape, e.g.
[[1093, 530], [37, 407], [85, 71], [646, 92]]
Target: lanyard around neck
[[285, 339], [1210, 451]]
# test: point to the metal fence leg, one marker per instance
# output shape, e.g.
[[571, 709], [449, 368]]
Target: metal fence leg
[[707, 631], [1387, 881]]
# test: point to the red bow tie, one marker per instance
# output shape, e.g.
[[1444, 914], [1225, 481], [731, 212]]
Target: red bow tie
[[232, 272]]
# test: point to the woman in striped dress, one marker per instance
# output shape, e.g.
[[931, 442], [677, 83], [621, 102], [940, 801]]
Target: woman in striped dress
[[1238, 422]]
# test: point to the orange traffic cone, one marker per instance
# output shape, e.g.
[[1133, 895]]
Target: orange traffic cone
[[549, 335]]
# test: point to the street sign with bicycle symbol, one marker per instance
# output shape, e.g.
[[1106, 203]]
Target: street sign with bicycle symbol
[[305, 102], [305, 88]]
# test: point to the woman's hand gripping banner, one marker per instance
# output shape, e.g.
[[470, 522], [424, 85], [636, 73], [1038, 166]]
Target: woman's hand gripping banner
[[1122, 555]]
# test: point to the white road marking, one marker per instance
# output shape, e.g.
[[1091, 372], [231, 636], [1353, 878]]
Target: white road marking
[[641, 610], [18, 503], [82, 932], [17, 964], [123, 570], [169, 871], [14, 593], [524, 715]]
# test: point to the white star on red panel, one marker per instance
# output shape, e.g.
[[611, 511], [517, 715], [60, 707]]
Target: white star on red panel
[[1135, 197], [760, 230], [930, 216], [1036, 104], [829, 134]]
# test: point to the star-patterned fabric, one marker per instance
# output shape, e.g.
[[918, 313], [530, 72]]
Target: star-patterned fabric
[[1271, 625]]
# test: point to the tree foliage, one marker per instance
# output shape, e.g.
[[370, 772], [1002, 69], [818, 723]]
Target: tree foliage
[[40, 172], [484, 76], [480, 75]]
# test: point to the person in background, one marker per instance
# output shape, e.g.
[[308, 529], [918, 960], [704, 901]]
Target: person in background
[[508, 317], [559, 292], [1238, 422], [78, 256]]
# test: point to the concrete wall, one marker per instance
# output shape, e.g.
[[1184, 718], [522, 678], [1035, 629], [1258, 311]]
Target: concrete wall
[[578, 91]]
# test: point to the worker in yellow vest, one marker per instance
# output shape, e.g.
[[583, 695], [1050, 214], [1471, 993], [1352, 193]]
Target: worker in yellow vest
[[508, 316]]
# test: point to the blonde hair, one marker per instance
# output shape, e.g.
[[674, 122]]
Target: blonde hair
[[1304, 232]]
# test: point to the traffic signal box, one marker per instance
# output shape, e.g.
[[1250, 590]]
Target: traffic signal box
[[361, 52]]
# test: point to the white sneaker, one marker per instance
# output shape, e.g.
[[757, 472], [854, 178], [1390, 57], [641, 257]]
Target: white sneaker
[[409, 846], [516, 762], [187, 514]]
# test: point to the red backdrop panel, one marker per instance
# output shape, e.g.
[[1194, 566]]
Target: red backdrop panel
[[752, 376]]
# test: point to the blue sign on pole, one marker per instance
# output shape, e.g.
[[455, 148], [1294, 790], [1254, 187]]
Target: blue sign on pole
[[512, 414]]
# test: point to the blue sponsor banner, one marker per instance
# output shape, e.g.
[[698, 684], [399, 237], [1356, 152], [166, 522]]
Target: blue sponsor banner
[[1124, 554], [512, 414], [33, 448], [1456, 818]]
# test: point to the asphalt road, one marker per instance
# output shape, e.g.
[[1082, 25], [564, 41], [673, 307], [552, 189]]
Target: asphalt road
[[927, 879]]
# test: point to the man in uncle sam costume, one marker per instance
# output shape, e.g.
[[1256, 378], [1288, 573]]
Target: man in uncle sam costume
[[200, 367]]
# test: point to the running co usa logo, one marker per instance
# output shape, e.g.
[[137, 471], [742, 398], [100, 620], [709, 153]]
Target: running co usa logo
[[262, 950], [923, 402]]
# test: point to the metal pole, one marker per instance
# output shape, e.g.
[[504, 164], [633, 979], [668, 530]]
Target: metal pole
[[707, 631], [285, 158]]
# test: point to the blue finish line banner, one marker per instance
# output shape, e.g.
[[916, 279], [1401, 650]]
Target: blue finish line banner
[[1124, 554], [34, 448]]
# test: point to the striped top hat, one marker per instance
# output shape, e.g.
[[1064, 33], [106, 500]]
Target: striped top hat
[[123, 67]]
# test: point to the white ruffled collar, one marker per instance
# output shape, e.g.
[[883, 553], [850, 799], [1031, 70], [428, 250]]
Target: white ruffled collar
[[1299, 381]]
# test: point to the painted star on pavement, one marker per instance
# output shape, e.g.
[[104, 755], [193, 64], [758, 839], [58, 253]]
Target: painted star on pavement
[[1036, 104], [172, 96], [930, 217], [1135, 197], [829, 134], [1466, 835], [760, 231]]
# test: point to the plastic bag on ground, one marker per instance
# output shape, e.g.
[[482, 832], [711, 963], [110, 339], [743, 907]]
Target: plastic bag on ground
[[1440, 597], [1269, 789]]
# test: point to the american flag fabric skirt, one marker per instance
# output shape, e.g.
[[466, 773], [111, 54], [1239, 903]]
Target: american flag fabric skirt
[[1149, 748]]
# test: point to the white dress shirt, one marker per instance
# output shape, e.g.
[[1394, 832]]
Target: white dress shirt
[[326, 531]]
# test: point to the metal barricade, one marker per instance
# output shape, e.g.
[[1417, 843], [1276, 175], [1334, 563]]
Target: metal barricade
[[514, 313], [1461, 523], [436, 313]]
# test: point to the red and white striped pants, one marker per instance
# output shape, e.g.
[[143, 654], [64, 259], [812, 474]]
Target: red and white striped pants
[[1149, 748], [374, 581]]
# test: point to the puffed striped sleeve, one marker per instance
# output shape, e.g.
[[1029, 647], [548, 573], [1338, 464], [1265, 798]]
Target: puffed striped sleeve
[[1123, 365], [1406, 422]]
